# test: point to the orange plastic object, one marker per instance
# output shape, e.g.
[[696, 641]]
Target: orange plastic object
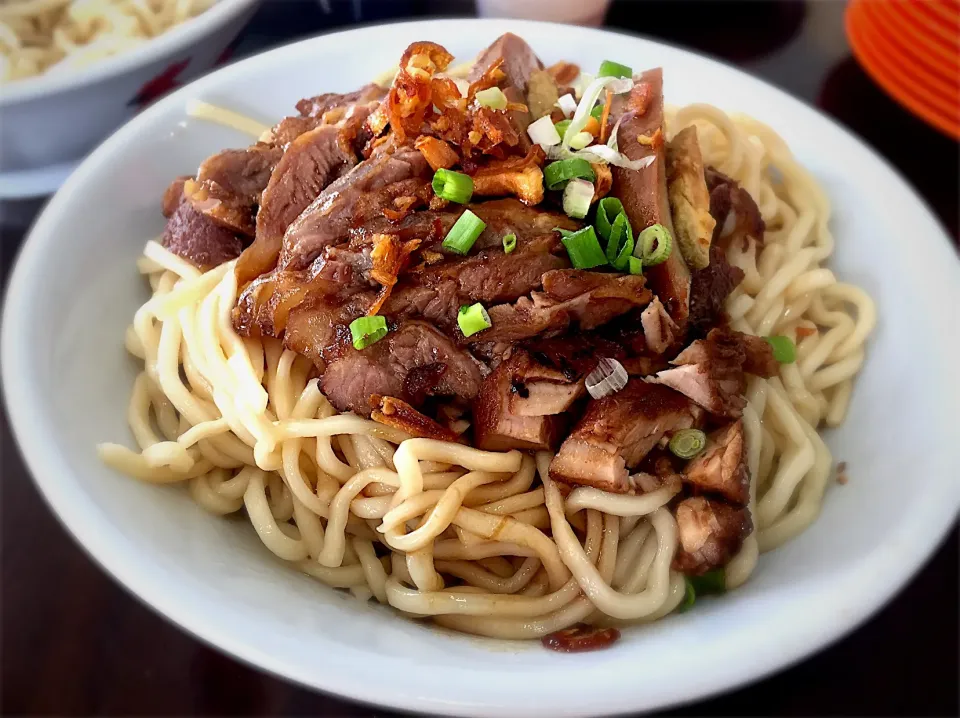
[[911, 62]]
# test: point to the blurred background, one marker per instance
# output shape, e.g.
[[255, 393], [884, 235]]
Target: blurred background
[[860, 63]]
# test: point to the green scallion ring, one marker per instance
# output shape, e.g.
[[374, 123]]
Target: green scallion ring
[[454, 186], [583, 247], [620, 243], [472, 319], [492, 98], [784, 350], [562, 126], [687, 443], [367, 330], [689, 596], [635, 265], [714, 581], [608, 209], [509, 243], [464, 233], [597, 112], [655, 245], [557, 174], [608, 68]]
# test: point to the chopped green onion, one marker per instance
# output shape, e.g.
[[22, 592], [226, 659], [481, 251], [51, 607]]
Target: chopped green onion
[[557, 174], [687, 443], [710, 582], [597, 112], [473, 319], [689, 595], [509, 243], [367, 330], [608, 209], [620, 243], [577, 196], [464, 233], [655, 244], [581, 140], [784, 350], [454, 186], [635, 265], [492, 98], [561, 127], [583, 247], [608, 68]]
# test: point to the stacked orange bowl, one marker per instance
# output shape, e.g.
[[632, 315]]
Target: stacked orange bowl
[[911, 48]]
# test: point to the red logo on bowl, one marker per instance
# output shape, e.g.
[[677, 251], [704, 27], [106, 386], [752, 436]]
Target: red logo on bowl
[[159, 85]]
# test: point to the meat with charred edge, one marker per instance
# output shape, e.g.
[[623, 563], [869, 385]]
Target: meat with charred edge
[[615, 433]]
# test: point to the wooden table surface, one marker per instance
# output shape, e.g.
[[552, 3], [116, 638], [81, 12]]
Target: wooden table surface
[[74, 642]]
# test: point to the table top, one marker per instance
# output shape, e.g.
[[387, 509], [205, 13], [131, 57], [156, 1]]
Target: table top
[[74, 642]]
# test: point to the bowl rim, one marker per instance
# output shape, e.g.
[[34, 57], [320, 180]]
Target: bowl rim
[[172, 41], [868, 589]]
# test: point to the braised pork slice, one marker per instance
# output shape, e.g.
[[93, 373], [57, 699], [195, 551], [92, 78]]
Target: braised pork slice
[[722, 466], [357, 196], [644, 192], [659, 330], [173, 195], [311, 162], [711, 532], [198, 239], [508, 415], [399, 414], [711, 371], [570, 296], [517, 62], [321, 104], [228, 185], [689, 198], [351, 379], [735, 211], [615, 433]]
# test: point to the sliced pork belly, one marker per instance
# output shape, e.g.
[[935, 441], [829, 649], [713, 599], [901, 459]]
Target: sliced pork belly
[[588, 299], [497, 423], [401, 415], [711, 532], [359, 195], [311, 162], [517, 62], [644, 192], [228, 185], [689, 198], [616, 433], [659, 330], [198, 239], [722, 466], [322, 104], [711, 371], [381, 369]]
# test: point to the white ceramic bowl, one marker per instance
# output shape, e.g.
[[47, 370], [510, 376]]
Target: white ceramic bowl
[[49, 122], [67, 380]]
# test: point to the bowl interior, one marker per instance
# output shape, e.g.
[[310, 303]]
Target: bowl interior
[[68, 379]]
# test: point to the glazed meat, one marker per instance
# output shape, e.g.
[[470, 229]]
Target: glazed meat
[[198, 239], [617, 432], [722, 466], [711, 532], [711, 371], [644, 192]]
